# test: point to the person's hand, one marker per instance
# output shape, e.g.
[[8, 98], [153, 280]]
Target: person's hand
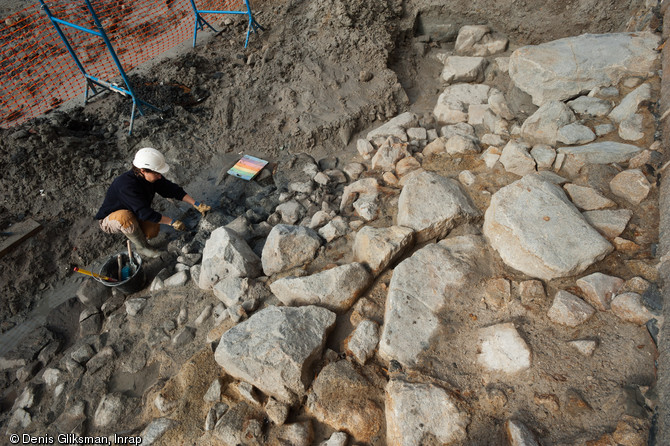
[[202, 207], [178, 225]]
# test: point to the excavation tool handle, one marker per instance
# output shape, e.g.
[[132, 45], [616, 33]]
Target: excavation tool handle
[[97, 276], [130, 255]]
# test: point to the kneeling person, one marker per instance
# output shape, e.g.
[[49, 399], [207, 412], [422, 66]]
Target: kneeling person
[[127, 205]]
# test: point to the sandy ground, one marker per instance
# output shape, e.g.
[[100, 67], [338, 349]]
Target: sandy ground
[[297, 88]]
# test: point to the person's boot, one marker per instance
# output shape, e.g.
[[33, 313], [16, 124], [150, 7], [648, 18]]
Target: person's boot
[[142, 247]]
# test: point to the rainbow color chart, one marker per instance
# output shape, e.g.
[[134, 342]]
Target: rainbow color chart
[[247, 167]]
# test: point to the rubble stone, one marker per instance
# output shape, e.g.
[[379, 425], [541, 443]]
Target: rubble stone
[[543, 126], [113, 407], [568, 309], [599, 288], [584, 346], [275, 348], [227, 254], [519, 434], [343, 398], [363, 341], [602, 152], [135, 305], [516, 159], [395, 127], [432, 205], [479, 40], [610, 223], [379, 247], [631, 128], [503, 350], [629, 307], [575, 133], [630, 103], [288, 246], [452, 104], [277, 411], [388, 154], [590, 106], [587, 199], [544, 156], [241, 424], [156, 429], [631, 185], [463, 69], [414, 411], [336, 289]]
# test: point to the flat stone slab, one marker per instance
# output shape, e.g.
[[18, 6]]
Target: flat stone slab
[[538, 231], [421, 286], [604, 152], [417, 410], [336, 289], [275, 349], [561, 69], [503, 350], [432, 205]]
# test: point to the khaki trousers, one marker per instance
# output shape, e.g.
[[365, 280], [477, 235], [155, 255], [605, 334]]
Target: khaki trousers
[[125, 222]]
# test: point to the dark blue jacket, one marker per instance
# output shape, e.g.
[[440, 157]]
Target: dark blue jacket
[[134, 193]]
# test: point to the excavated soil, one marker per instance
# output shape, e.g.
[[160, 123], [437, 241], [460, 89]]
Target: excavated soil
[[321, 73]]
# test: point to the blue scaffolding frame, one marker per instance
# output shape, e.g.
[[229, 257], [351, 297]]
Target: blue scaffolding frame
[[200, 22], [92, 81]]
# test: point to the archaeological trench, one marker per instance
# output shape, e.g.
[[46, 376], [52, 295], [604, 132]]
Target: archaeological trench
[[458, 239]]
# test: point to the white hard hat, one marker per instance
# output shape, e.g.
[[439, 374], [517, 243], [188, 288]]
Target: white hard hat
[[152, 159]]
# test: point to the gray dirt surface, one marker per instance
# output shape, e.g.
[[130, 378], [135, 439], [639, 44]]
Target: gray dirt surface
[[297, 88]]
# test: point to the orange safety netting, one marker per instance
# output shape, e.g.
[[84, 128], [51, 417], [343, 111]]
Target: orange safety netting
[[38, 73]]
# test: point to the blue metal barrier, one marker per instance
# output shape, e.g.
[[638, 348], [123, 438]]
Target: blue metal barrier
[[200, 22], [92, 81]]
